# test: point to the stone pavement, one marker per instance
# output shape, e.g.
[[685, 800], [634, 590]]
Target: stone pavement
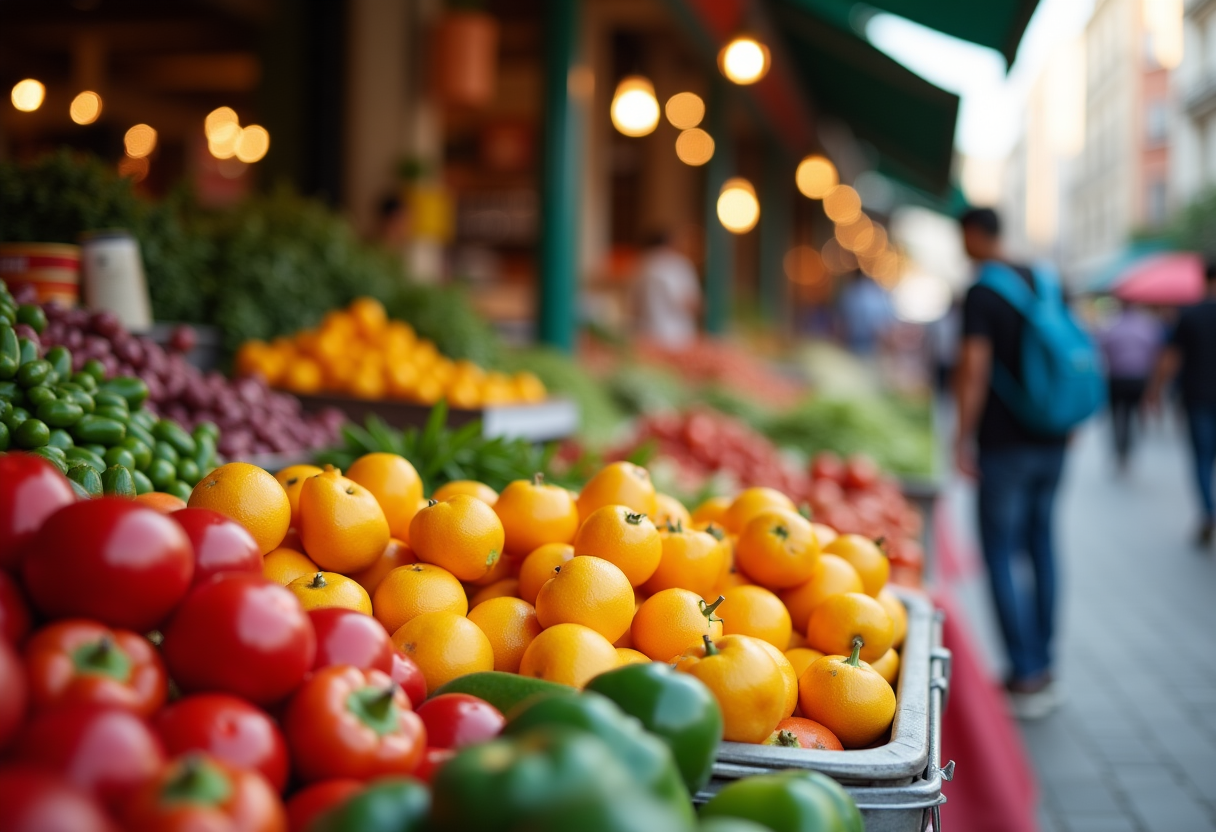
[[1134, 747]]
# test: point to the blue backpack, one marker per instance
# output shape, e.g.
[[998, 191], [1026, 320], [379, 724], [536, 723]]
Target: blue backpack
[[1062, 383]]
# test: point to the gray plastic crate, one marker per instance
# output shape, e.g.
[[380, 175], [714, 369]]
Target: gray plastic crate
[[898, 786]]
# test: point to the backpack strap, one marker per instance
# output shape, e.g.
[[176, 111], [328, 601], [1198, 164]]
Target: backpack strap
[[1007, 283]]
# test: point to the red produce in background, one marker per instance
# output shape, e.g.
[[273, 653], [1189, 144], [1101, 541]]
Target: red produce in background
[[348, 637], [454, 720], [432, 761], [14, 613], [408, 675], [39, 801], [31, 490], [196, 792], [311, 801], [14, 693], [220, 543]]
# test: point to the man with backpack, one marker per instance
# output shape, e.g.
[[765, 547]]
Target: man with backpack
[[1027, 375]]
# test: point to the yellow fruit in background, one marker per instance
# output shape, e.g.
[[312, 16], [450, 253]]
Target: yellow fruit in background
[[669, 622], [463, 535], [670, 511], [445, 646], [841, 619], [589, 591], [777, 549], [534, 513], [618, 484], [250, 496], [569, 654], [899, 615], [369, 317], [510, 624], [292, 479], [539, 566], [751, 502], [690, 560], [832, 576], [528, 387], [630, 656], [623, 537], [865, 556], [887, 666], [285, 565], [395, 484], [473, 488], [409, 591], [329, 589], [302, 376], [801, 658], [342, 526], [756, 612], [395, 554], [506, 588], [711, 511], [789, 677]]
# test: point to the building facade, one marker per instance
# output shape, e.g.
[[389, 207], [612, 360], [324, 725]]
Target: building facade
[[1194, 161]]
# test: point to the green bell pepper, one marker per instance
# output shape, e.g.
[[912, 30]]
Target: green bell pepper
[[390, 804], [792, 801], [676, 707], [607, 814]]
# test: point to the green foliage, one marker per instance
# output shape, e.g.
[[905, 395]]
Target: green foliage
[[1194, 227]]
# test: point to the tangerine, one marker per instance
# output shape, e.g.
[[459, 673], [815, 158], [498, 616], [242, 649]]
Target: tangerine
[[848, 697], [711, 511], [162, 502], [628, 655], [618, 484], [623, 537], [395, 554], [251, 497], [506, 588], [463, 535], [670, 512], [539, 566], [395, 484], [672, 620], [533, 514], [789, 677], [801, 658], [751, 502], [800, 732], [292, 479], [825, 534], [342, 525], [866, 557], [510, 624], [589, 591], [777, 549], [409, 591], [899, 614], [887, 666], [473, 488], [744, 679], [569, 654], [843, 620], [833, 575], [690, 559], [754, 611], [445, 646], [329, 589], [284, 565]]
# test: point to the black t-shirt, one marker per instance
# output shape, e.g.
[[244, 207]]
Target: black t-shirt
[[1195, 339], [988, 315]]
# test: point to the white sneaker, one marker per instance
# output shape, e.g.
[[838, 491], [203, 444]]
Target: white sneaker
[[1037, 705]]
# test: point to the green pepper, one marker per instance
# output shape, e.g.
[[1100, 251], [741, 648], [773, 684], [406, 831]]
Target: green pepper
[[60, 439], [141, 452], [98, 429], [725, 824], [188, 471], [32, 373], [59, 414], [10, 352], [162, 473], [4, 437], [61, 359], [390, 804], [32, 316], [674, 706], [611, 814], [118, 455], [169, 431], [179, 489], [32, 433], [118, 414], [80, 397], [646, 757], [96, 369], [106, 399], [87, 478], [497, 786], [15, 417], [40, 394], [143, 485], [118, 481], [29, 349], [86, 457], [130, 388], [86, 382], [788, 802]]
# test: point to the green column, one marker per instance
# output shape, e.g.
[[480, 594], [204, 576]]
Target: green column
[[775, 226], [561, 178], [719, 243]]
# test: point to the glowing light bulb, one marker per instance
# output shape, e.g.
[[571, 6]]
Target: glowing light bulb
[[635, 110], [685, 110], [738, 208], [28, 95], [140, 141], [85, 107], [816, 176], [694, 146], [744, 60]]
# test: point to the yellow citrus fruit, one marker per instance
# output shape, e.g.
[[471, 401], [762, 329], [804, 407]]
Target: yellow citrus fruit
[[618, 484], [623, 537], [292, 479], [671, 621], [777, 549], [463, 535], [473, 488], [711, 511], [329, 589], [510, 624], [731, 579], [849, 698], [569, 654], [285, 565], [506, 588], [394, 483], [833, 575], [630, 656], [899, 615], [670, 511], [409, 591], [533, 514], [626, 639], [541, 565], [754, 611], [888, 666], [841, 619], [504, 567], [395, 554], [825, 534], [789, 677], [746, 682], [690, 559], [369, 317], [342, 526], [445, 646], [797, 639], [589, 591], [751, 502], [801, 658], [251, 497], [865, 556]]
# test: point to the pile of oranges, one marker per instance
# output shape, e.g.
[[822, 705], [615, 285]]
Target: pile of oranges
[[360, 352], [778, 615]]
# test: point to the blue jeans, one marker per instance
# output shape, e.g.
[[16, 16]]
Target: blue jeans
[[1202, 421], [1017, 492]]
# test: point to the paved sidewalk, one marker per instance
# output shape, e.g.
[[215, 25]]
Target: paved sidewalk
[[1134, 747]]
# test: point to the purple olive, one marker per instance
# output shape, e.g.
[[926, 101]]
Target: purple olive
[[106, 323], [183, 339]]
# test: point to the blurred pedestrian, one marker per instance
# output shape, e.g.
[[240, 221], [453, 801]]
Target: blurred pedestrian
[[668, 294], [1190, 354], [1130, 344], [866, 314]]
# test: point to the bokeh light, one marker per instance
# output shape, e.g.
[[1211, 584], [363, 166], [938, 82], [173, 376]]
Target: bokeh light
[[139, 141], [877, 244], [744, 60], [635, 110], [28, 95], [135, 169], [221, 141], [219, 117], [685, 110], [837, 259], [815, 177], [885, 268], [694, 146], [921, 298], [856, 235], [252, 143], [804, 266], [842, 204], [738, 208], [85, 107]]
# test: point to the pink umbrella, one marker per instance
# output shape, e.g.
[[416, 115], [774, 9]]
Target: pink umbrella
[[1170, 279]]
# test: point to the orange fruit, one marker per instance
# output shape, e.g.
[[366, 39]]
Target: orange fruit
[[473, 488], [797, 639], [670, 511], [569, 654], [540, 566], [369, 317], [395, 554], [445, 646], [623, 537], [899, 614], [744, 679], [888, 666], [690, 559], [789, 677], [502, 568], [342, 526], [777, 549], [506, 588], [409, 591], [533, 514], [833, 575], [628, 655], [865, 556], [731, 579], [589, 591], [618, 484], [162, 502], [751, 502], [329, 589], [800, 732], [801, 658], [285, 565], [754, 611], [463, 535], [292, 479], [669, 622], [711, 511], [842, 620], [626, 639], [510, 624], [825, 534], [394, 483], [847, 697], [251, 497]]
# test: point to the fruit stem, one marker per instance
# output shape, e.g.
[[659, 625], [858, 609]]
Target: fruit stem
[[318, 581], [708, 609], [197, 782], [854, 659], [538, 478], [634, 519], [710, 648], [787, 739], [104, 658], [881, 543], [375, 708]]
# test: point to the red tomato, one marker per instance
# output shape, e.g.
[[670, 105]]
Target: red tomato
[[454, 720], [220, 543], [310, 802], [408, 675], [347, 722], [109, 559], [227, 728], [14, 693], [14, 613], [38, 801], [31, 490], [431, 762], [826, 465], [348, 637], [861, 472], [108, 752], [83, 661], [196, 792], [240, 634]]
